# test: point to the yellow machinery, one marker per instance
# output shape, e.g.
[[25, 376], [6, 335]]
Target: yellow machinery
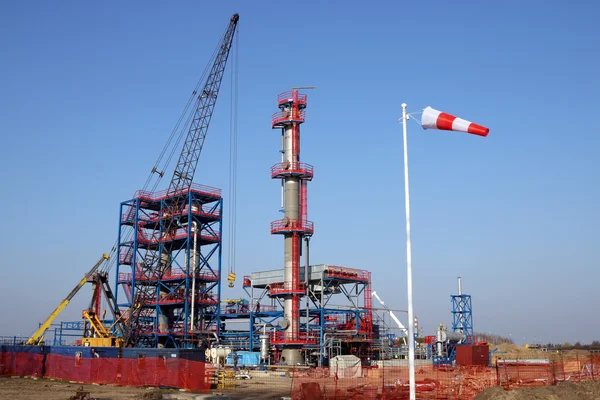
[[101, 336], [231, 279], [38, 335]]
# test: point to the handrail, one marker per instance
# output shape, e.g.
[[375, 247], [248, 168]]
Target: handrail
[[289, 95], [178, 234], [127, 276], [287, 225], [288, 115], [347, 273], [162, 194], [286, 287], [293, 167], [280, 337]]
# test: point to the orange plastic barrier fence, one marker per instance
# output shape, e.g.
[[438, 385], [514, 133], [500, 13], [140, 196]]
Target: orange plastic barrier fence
[[392, 383], [439, 382]]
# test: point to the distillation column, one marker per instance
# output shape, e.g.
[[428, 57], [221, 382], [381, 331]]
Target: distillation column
[[294, 226]]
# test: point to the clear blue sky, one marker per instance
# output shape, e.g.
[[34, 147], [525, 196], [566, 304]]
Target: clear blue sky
[[90, 91]]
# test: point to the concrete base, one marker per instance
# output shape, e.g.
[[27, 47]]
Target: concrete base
[[291, 357]]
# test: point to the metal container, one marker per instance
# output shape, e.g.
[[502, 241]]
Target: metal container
[[472, 355], [264, 347]]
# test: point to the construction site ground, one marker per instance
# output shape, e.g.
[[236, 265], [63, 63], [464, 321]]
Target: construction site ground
[[14, 388], [589, 390]]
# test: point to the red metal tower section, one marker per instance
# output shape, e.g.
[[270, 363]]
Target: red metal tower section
[[295, 225]]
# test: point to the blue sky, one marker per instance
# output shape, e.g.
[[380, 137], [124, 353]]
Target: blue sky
[[90, 92]]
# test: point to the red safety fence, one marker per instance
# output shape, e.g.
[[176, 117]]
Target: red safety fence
[[388, 380], [144, 371], [21, 364]]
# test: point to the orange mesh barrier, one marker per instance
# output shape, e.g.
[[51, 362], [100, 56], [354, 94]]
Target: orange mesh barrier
[[439, 382], [392, 382]]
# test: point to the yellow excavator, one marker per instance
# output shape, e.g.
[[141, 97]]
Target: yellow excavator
[[38, 336]]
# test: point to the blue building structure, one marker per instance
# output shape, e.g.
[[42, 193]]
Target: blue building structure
[[176, 301]]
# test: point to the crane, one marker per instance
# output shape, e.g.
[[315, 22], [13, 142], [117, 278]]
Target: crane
[[38, 335], [152, 264]]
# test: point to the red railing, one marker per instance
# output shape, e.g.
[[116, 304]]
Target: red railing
[[291, 96], [293, 168], [292, 225], [288, 115], [173, 299], [287, 288], [155, 217], [347, 273], [181, 233], [301, 337], [126, 276], [126, 255], [196, 188]]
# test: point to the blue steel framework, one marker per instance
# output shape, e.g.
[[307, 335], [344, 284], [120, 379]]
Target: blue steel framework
[[322, 320], [462, 316], [184, 306], [462, 321]]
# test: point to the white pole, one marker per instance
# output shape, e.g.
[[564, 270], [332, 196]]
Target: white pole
[[411, 319]]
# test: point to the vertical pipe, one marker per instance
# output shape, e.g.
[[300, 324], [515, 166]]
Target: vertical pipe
[[195, 229], [218, 312], [459, 286], [282, 160], [306, 276], [411, 326]]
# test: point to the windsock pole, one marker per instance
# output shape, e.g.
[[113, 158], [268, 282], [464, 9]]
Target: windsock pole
[[411, 319]]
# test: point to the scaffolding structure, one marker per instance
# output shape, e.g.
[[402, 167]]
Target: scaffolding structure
[[176, 301], [462, 316], [338, 318]]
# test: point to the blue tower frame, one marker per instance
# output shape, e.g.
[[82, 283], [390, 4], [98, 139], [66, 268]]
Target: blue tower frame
[[178, 286], [462, 316]]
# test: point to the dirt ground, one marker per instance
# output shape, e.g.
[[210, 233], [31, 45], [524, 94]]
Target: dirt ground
[[43, 389], [514, 351], [563, 391]]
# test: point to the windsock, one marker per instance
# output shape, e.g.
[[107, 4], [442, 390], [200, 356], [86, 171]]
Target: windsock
[[434, 119]]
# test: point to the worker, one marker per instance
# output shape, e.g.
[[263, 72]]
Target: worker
[[257, 307], [235, 361]]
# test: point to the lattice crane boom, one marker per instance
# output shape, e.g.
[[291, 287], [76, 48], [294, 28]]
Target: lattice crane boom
[[194, 141], [152, 265]]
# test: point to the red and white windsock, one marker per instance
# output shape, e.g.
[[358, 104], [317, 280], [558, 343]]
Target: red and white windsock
[[434, 119]]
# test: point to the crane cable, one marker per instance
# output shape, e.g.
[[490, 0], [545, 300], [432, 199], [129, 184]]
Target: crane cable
[[159, 166], [233, 161]]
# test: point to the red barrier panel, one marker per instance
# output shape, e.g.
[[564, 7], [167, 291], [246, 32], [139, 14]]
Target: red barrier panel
[[145, 371], [21, 364]]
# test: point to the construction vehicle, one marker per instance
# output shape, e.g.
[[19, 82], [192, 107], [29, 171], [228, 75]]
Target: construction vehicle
[[38, 336], [101, 336], [95, 332]]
